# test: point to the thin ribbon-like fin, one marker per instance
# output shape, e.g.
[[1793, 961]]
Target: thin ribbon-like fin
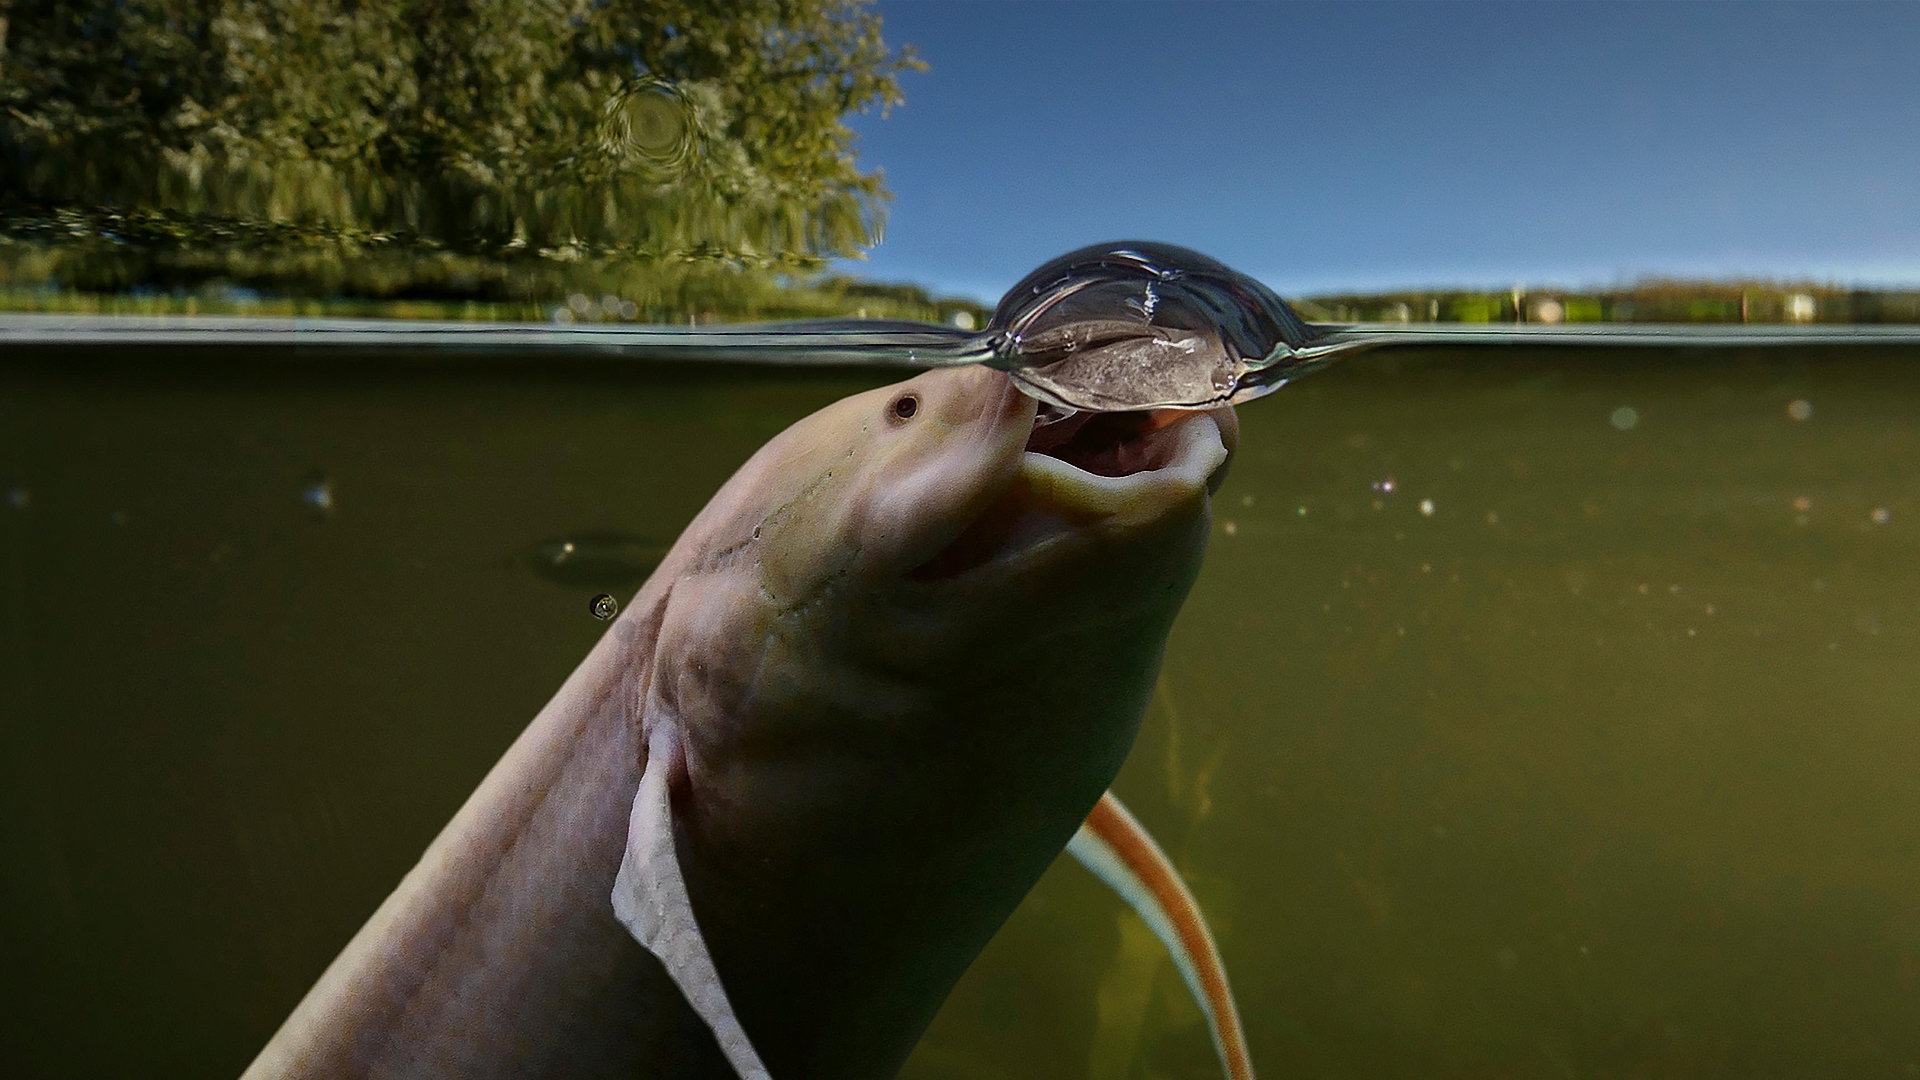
[[1120, 852], [650, 900]]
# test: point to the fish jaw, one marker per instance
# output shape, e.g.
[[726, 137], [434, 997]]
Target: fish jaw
[[1108, 489], [1198, 452]]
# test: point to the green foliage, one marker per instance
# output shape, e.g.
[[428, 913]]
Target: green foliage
[[489, 148], [1650, 301]]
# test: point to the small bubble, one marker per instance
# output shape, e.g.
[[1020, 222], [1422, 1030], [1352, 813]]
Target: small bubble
[[19, 498], [962, 319], [1426, 507], [316, 493], [1301, 512], [1880, 516], [1385, 484], [581, 303], [1624, 418], [1800, 409], [603, 607]]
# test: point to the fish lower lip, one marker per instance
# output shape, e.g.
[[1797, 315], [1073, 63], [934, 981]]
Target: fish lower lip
[[1173, 457], [1053, 498]]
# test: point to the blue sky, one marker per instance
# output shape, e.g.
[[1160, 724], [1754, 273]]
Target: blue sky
[[1323, 147]]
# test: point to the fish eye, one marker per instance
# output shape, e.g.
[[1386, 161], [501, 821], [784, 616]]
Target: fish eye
[[905, 406]]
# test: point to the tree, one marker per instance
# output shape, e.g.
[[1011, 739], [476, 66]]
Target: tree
[[480, 146]]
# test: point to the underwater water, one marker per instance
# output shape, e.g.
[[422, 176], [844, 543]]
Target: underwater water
[[1538, 712]]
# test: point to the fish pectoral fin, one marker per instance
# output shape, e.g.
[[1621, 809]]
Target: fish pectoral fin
[[1120, 851], [650, 900]]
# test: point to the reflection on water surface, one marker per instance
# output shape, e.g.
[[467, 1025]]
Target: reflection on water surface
[[1580, 748]]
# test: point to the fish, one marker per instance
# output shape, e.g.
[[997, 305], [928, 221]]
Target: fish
[[869, 695]]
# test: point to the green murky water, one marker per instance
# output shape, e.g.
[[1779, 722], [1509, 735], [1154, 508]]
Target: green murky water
[[1582, 752]]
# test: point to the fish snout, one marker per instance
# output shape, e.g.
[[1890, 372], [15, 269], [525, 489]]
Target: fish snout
[[963, 397]]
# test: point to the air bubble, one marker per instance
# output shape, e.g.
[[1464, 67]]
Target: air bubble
[[316, 494], [1141, 325], [604, 607]]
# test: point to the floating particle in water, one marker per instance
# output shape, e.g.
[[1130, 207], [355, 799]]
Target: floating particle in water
[[1880, 516], [1230, 528], [595, 559], [1507, 959], [1426, 507], [1385, 485], [603, 607], [316, 494], [962, 319], [1246, 500], [1800, 409], [118, 517], [19, 498], [581, 303], [1301, 512], [1378, 505], [1802, 503], [1674, 589], [1624, 418], [1493, 518]]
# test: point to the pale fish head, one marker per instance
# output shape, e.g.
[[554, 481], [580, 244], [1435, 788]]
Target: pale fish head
[[910, 643]]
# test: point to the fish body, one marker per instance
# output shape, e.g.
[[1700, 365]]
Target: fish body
[[876, 685]]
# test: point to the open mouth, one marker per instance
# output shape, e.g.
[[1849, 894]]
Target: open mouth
[[1110, 444], [1091, 470]]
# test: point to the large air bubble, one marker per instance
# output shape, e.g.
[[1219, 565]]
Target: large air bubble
[[1138, 325]]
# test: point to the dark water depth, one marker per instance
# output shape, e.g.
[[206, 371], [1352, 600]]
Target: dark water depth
[[1537, 714]]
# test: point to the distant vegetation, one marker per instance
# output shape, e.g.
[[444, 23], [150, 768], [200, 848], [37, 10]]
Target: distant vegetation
[[664, 160], [1653, 301]]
